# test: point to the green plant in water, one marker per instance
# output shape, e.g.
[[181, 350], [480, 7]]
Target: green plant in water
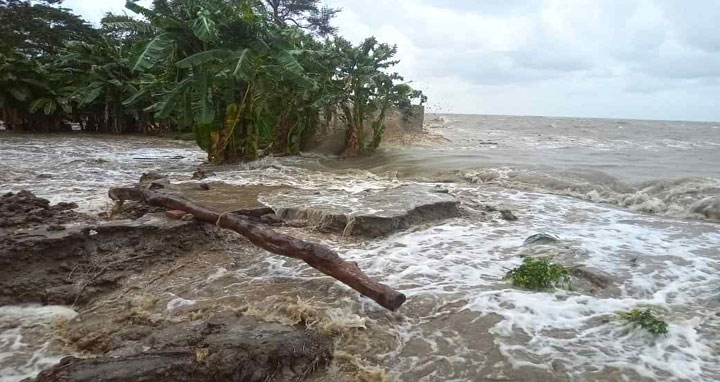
[[538, 274], [645, 319]]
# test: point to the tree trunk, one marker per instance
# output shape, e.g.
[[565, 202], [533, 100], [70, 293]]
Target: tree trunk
[[317, 256], [379, 127], [351, 141], [280, 143], [311, 121], [106, 120]]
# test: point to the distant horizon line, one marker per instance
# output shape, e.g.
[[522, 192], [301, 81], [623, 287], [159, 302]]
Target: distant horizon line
[[570, 117]]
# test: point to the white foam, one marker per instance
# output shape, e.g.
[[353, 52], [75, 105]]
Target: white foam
[[178, 302], [692, 197], [33, 311], [219, 273], [22, 357], [675, 272], [670, 265], [82, 168]]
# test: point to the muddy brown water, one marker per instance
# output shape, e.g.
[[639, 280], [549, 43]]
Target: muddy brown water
[[461, 321]]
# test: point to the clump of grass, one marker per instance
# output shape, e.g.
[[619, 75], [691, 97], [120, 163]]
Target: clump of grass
[[645, 319], [538, 274]]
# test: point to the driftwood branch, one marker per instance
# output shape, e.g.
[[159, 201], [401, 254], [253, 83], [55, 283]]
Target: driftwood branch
[[316, 255]]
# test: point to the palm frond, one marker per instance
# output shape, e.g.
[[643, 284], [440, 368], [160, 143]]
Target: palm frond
[[91, 96], [170, 101], [202, 107], [35, 82], [133, 6], [202, 58], [140, 27], [288, 62], [154, 50], [37, 104], [19, 93], [137, 95], [241, 67], [204, 28], [50, 107]]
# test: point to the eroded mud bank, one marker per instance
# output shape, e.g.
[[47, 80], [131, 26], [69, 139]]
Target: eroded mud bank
[[125, 270], [53, 255], [462, 321], [103, 267]]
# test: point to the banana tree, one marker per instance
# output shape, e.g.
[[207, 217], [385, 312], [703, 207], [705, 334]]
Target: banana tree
[[366, 88], [390, 94], [185, 50], [17, 76], [105, 80], [34, 96], [222, 65]]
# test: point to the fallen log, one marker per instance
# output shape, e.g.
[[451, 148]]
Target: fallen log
[[316, 255]]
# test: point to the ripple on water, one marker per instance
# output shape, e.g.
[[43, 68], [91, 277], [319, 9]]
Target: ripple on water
[[82, 168], [676, 272], [457, 269], [461, 322]]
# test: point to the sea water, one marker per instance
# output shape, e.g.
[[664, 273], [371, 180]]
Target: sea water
[[637, 200]]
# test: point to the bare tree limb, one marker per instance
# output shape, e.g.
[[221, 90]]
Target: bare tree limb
[[316, 255]]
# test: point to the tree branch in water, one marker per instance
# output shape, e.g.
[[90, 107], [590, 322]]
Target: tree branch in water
[[316, 255]]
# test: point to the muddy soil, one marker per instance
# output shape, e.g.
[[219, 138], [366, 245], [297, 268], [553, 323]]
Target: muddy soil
[[24, 209], [105, 269], [225, 347], [85, 259], [162, 299]]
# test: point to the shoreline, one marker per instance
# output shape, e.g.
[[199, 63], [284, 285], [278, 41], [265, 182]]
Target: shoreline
[[452, 270]]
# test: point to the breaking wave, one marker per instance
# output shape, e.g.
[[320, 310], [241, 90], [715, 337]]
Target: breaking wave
[[688, 197]]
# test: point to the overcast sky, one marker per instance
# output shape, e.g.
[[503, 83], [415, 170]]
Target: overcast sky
[[652, 59]]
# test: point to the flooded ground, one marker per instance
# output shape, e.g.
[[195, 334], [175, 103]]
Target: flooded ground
[[82, 167], [461, 322], [660, 167]]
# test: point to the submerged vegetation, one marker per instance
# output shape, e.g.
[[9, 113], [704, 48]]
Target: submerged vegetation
[[645, 319], [538, 274], [247, 77]]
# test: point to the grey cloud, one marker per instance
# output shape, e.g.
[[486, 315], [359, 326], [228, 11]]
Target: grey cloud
[[696, 23], [497, 7], [490, 68], [544, 52], [685, 66], [614, 58]]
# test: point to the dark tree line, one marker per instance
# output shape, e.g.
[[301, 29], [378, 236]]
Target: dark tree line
[[246, 76]]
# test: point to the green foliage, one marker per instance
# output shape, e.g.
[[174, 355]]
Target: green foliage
[[202, 58], [31, 95], [305, 14], [241, 65], [39, 29], [248, 77], [538, 274], [155, 50], [68, 72], [645, 319]]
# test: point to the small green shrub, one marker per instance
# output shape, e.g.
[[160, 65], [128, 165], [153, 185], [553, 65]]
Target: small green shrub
[[538, 274], [646, 320]]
